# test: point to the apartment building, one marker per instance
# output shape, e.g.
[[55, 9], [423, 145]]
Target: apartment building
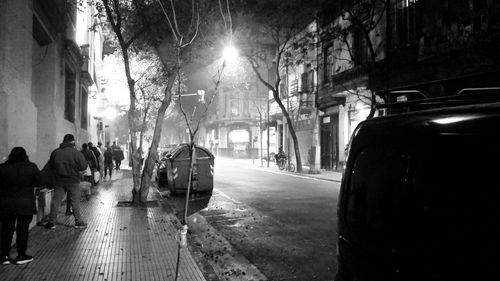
[[369, 48]]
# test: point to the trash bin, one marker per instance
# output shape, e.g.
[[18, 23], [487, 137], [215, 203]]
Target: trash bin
[[178, 170]]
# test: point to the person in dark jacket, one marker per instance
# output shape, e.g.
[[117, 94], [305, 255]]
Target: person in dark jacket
[[18, 179], [67, 165], [91, 161], [89, 156], [108, 162], [118, 156], [97, 154]]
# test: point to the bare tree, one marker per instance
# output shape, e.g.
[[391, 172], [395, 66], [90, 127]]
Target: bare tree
[[267, 38], [135, 25], [183, 40]]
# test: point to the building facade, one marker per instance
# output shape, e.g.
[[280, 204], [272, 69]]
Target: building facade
[[232, 127], [47, 75], [436, 47], [298, 92], [354, 54]]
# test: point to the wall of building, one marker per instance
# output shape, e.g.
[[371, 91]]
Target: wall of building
[[46, 70], [18, 114], [32, 80]]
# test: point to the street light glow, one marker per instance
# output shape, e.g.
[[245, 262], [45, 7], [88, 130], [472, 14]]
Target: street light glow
[[110, 113], [230, 54]]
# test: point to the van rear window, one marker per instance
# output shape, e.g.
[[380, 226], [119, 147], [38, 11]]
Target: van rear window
[[377, 192]]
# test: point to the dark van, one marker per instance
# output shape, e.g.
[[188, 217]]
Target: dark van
[[420, 196]]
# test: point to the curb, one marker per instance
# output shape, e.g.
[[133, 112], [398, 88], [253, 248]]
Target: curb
[[302, 175]]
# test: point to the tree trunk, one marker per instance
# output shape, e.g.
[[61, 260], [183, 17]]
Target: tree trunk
[[136, 165], [153, 150], [291, 130], [136, 168]]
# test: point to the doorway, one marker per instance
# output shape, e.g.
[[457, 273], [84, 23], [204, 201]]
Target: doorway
[[329, 142]]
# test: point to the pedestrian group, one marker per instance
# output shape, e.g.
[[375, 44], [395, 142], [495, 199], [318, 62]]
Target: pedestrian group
[[65, 171]]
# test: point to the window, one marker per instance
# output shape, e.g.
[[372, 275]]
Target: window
[[304, 83], [307, 81], [405, 20], [84, 109], [246, 106], [69, 95], [480, 15], [282, 93], [360, 49], [310, 80], [328, 62], [235, 108]]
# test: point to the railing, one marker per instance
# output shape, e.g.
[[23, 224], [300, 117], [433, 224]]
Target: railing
[[294, 87]]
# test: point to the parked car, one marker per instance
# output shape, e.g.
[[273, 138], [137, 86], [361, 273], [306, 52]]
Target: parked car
[[419, 199]]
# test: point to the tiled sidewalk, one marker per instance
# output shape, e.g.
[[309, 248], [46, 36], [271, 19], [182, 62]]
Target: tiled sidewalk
[[120, 243]]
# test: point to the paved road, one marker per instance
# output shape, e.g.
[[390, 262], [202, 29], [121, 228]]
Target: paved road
[[285, 225]]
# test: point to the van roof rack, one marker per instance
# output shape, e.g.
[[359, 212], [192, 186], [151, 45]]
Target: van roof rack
[[463, 97], [478, 90]]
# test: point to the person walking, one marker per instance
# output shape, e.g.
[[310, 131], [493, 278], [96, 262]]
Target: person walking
[[18, 179], [91, 161], [67, 164], [100, 159], [108, 162], [118, 156], [97, 154], [114, 146]]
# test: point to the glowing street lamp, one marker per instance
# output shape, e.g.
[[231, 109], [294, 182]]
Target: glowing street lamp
[[230, 54]]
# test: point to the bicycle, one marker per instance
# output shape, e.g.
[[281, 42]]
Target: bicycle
[[282, 164]]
